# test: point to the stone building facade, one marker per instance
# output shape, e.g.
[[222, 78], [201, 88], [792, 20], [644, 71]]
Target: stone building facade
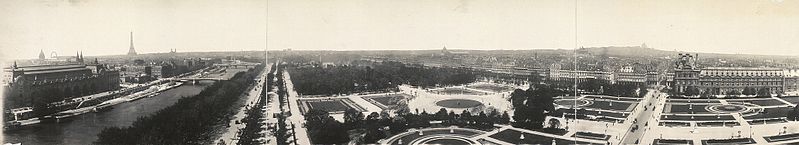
[[51, 83]]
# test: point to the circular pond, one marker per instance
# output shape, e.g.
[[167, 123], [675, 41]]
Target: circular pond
[[458, 103]]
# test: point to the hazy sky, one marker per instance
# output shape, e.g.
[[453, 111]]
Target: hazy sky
[[726, 26], [420, 24], [101, 27]]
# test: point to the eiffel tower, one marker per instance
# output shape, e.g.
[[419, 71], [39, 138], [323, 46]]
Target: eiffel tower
[[131, 51]]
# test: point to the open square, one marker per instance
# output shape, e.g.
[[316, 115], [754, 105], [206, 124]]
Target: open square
[[490, 87], [457, 91]]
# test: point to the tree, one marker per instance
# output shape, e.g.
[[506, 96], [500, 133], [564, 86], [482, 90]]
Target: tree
[[706, 93], [316, 118], [518, 96], [592, 85], [520, 116], [793, 114], [385, 118], [483, 121], [505, 118], [554, 123], [352, 118], [373, 134], [535, 78], [332, 132], [442, 114], [372, 118], [763, 92], [691, 91], [748, 91], [733, 93], [466, 116], [323, 129], [398, 124]]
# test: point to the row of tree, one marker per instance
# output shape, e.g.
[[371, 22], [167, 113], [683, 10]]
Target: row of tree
[[281, 133], [339, 80], [188, 121], [710, 93], [597, 86], [253, 126], [384, 76]]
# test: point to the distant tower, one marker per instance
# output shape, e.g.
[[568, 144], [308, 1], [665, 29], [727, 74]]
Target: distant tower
[[444, 51], [644, 45], [131, 51], [41, 54], [81, 56]]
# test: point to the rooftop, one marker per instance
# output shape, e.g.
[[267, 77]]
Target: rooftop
[[48, 68], [57, 70], [742, 68]]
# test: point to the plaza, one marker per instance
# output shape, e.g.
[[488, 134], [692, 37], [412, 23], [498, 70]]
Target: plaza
[[460, 98]]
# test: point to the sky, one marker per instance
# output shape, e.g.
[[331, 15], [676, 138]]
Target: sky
[[723, 26], [102, 27], [420, 24]]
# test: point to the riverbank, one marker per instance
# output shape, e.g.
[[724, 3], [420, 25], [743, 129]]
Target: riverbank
[[83, 129], [131, 92], [234, 127], [57, 117], [192, 120]]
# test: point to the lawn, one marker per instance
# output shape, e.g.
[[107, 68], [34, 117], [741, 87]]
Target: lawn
[[607, 105], [675, 124], [594, 113], [687, 109], [590, 135], [672, 141], [767, 121], [784, 137], [718, 124], [729, 141], [711, 101], [411, 136], [385, 101], [490, 87], [329, 105], [770, 113], [512, 136], [613, 98], [763, 102], [457, 91], [698, 118], [793, 99]]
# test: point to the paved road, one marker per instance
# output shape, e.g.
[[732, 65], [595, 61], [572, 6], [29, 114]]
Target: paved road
[[230, 136], [652, 106], [296, 117]]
